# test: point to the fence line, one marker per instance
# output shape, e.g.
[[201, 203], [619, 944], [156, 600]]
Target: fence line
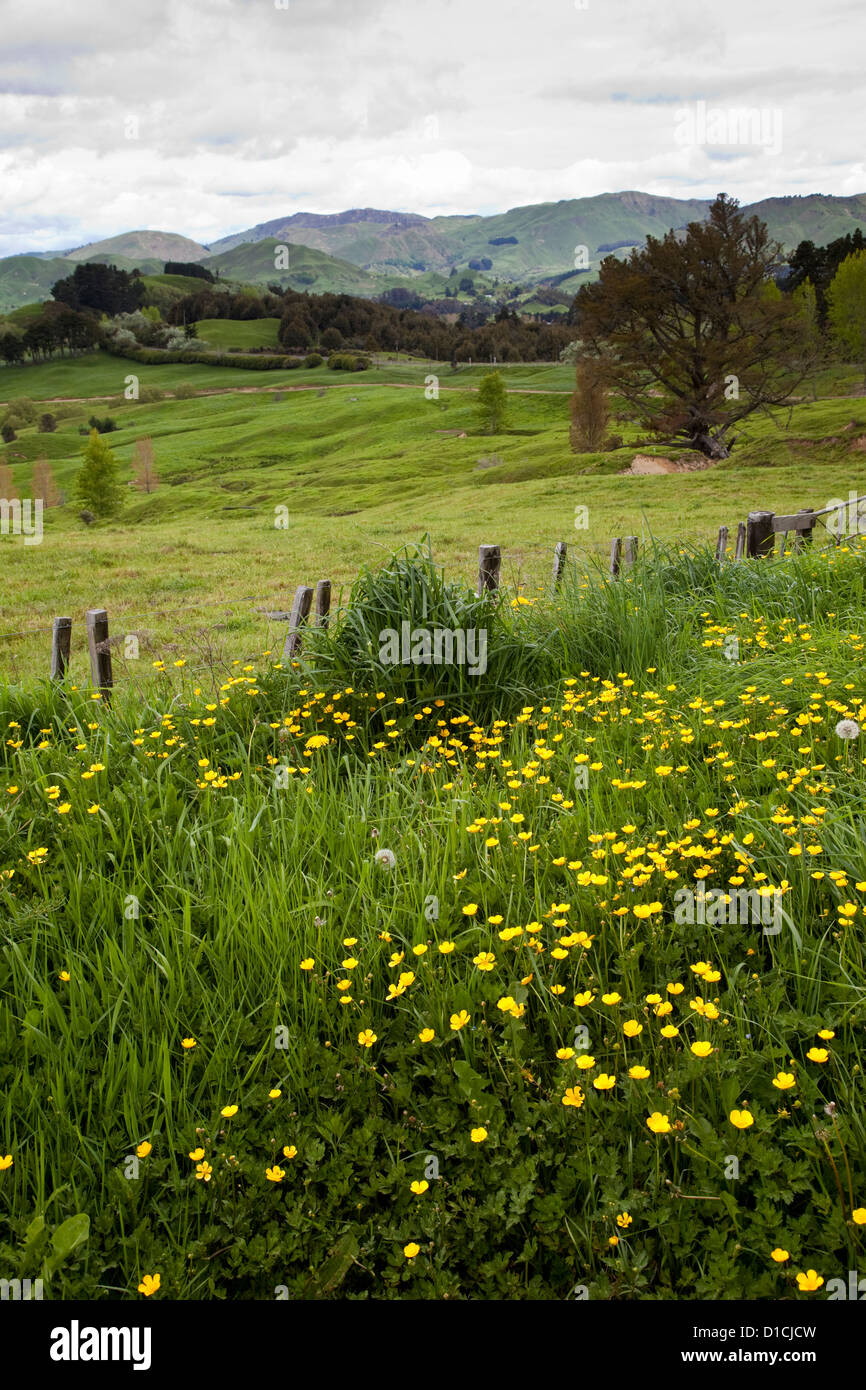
[[756, 539]]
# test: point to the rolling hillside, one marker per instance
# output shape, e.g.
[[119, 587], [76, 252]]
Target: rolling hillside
[[139, 246], [537, 241], [365, 251], [28, 279], [308, 269]]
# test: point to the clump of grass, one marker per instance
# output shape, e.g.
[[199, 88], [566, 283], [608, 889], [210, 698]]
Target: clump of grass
[[411, 589]]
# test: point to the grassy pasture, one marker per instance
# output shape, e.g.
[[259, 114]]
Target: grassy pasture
[[363, 463]]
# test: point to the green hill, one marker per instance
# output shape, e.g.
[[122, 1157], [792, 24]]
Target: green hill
[[536, 241], [141, 246], [365, 251], [28, 279], [254, 263], [816, 217]]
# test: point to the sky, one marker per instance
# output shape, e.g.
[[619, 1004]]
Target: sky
[[205, 117]]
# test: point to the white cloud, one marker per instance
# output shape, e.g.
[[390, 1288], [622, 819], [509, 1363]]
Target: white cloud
[[245, 112]]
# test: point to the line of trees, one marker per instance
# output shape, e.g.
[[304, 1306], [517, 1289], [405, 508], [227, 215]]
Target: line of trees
[[56, 330], [330, 322]]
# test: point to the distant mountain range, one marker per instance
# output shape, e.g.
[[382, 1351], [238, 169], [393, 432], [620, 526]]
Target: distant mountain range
[[365, 251]]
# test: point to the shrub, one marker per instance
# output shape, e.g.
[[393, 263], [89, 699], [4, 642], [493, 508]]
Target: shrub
[[47, 423], [347, 362], [25, 409], [106, 426], [313, 359], [7, 433]]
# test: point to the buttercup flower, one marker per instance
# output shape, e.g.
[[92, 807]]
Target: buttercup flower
[[741, 1119], [573, 1096], [658, 1123]]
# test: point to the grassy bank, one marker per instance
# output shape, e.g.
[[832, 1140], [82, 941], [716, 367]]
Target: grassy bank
[[370, 986]]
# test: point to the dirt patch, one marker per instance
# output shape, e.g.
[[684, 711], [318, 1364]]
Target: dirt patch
[[649, 464]]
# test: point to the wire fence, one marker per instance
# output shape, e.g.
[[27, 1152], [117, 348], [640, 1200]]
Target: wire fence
[[193, 649]]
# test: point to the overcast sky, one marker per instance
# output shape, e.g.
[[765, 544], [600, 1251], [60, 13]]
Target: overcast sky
[[207, 116]]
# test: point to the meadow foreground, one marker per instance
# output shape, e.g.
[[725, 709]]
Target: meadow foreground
[[347, 980]]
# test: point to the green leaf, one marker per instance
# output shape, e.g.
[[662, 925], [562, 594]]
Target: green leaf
[[471, 1083], [34, 1230], [73, 1232], [335, 1268]]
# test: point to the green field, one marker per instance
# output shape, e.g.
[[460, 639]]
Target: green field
[[387, 987], [336, 977], [363, 463], [244, 334]]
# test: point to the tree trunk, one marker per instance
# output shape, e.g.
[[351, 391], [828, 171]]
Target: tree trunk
[[710, 448]]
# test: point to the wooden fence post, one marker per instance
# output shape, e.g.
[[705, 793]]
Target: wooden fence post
[[615, 556], [323, 602], [629, 553], [96, 620], [741, 540], [61, 641], [804, 536], [559, 556], [722, 544], [489, 562], [298, 616], [760, 536]]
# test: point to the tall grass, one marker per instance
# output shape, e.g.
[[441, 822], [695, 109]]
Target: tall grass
[[182, 908]]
